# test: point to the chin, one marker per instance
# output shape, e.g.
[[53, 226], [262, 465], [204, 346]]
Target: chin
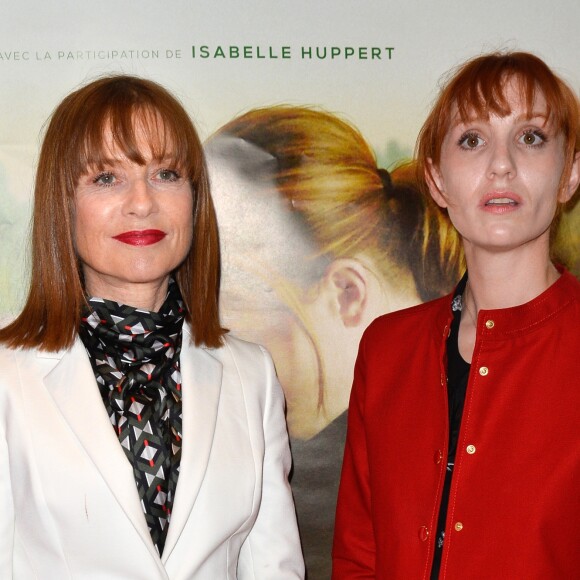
[[149, 270]]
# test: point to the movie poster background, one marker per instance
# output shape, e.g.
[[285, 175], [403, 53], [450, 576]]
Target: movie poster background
[[374, 64]]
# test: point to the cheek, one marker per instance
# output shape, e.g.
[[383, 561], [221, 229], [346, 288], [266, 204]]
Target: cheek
[[545, 179], [458, 178], [182, 211], [185, 226], [87, 222], [176, 217]]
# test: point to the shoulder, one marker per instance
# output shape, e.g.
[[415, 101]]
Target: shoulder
[[32, 356], [234, 352], [406, 335], [250, 366], [571, 285], [559, 304], [420, 319], [566, 299], [13, 358], [16, 366], [9, 362], [240, 351], [241, 347], [29, 366], [251, 362]]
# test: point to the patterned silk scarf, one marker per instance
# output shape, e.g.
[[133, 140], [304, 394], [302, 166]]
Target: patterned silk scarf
[[135, 357]]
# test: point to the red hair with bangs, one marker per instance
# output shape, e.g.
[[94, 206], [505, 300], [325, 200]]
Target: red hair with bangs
[[477, 88], [73, 143]]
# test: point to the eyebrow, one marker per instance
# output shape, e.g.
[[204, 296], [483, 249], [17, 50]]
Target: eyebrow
[[524, 117], [112, 161]]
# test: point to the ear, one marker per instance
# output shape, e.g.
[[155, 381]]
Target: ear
[[434, 181], [345, 284], [573, 182]]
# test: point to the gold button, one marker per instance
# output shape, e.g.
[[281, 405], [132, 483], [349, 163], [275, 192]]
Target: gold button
[[489, 324], [423, 533], [458, 526], [438, 457], [470, 449], [483, 371]]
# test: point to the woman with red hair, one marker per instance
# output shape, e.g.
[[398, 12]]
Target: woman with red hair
[[463, 447], [137, 439]]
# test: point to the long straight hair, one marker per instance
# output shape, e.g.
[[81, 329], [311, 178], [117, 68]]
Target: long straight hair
[[74, 141]]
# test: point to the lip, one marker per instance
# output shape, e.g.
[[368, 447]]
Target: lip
[[499, 202], [140, 237]]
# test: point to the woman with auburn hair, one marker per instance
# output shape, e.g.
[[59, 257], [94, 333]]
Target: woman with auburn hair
[[137, 440], [317, 241], [463, 449]]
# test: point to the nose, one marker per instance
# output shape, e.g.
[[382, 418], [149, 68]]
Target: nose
[[502, 163], [140, 200]]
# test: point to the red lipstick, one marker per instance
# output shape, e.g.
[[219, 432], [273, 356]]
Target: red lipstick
[[140, 237]]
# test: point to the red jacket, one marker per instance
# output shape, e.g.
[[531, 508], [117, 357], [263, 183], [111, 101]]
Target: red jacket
[[514, 506]]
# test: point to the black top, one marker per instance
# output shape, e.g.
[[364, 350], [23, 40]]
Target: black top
[[457, 377], [135, 354]]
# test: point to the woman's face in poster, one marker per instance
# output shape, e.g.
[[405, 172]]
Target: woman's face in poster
[[264, 262]]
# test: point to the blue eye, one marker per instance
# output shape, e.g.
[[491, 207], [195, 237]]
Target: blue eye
[[168, 175], [105, 179], [470, 140]]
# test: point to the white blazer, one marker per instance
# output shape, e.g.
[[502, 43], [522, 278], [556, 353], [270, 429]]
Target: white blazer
[[69, 507]]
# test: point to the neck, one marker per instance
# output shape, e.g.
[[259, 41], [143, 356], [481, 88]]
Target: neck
[[147, 296], [503, 280]]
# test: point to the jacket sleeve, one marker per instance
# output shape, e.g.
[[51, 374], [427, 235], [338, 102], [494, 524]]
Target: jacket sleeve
[[272, 548], [353, 554]]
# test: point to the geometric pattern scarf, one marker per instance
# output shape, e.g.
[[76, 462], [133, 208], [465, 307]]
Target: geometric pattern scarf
[[135, 357]]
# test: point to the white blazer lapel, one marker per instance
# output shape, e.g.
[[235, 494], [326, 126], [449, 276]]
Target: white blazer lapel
[[74, 389], [201, 386]]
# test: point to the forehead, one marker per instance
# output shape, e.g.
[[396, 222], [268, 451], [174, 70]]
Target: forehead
[[144, 135], [512, 98]]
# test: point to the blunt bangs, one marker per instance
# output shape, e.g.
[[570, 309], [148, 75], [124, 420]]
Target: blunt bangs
[[477, 89], [108, 119], [481, 91]]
